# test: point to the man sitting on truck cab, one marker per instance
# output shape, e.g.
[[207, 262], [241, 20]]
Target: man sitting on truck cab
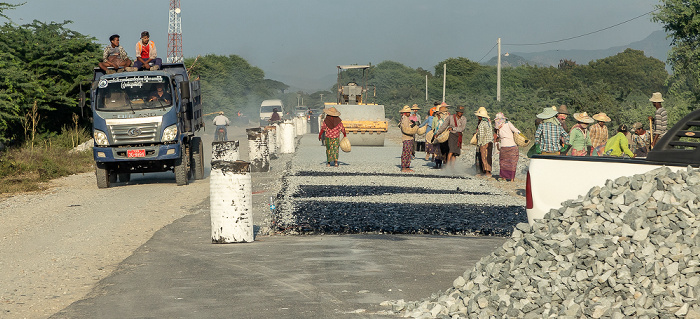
[[146, 55], [114, 57]]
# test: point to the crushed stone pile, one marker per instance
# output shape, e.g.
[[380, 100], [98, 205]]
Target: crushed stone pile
[[627, 249]]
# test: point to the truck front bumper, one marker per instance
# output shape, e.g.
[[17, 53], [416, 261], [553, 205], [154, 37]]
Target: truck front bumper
[[152, 153]]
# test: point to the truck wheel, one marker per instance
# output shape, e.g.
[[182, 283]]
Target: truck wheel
[[197, 158], [181, 169], [124, 177], [102, 177]]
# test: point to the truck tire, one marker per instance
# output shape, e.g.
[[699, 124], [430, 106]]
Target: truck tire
[[102, 175], [197, 158], [124, 177], [181, 170]]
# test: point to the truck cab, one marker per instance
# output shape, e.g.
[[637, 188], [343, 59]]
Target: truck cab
[[145, 121]]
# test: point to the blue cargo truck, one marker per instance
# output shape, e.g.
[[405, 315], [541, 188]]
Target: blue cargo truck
[[146, 121]]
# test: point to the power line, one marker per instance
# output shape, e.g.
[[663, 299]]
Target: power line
[[578, 36], [487, 53]]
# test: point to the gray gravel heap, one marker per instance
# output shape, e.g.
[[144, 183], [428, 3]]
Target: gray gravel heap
[[627, 249]]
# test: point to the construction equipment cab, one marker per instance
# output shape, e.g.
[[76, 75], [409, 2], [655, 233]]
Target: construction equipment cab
[[145, 121], [365, 122]]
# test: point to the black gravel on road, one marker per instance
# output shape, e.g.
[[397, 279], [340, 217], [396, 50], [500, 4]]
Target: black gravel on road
[[308, 191], [314, 217]]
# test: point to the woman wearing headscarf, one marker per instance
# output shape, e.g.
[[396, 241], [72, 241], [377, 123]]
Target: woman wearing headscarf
[[508, 154], [332, 127], [579, 137], [440, 149], [550, 135], [484, 142], [406, 139]]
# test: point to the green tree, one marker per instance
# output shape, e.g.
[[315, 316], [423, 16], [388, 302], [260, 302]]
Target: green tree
[[680, 19], [46, 63]]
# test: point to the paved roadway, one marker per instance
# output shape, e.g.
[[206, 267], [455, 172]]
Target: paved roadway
[[178, 273]]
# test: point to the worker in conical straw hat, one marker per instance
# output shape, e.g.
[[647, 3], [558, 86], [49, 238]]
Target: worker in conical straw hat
[[332, 127], [440, 149], [660, 120], [580, 139], [455, 124], [418, 140], [599, 133], [550, 135], [484, 143], [407, 140]]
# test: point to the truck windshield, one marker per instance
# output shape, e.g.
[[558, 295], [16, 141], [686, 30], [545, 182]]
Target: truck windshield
[[269, 108], [133, 93]]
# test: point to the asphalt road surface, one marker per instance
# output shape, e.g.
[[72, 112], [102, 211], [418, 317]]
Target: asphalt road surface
[[143, 250]]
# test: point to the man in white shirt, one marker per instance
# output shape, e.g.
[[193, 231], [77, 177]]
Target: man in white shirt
[[221, 121]]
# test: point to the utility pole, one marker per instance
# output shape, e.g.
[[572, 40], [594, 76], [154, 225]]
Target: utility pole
[[321, 94], [498, 73], [444, 80], [426, 87], [175, 33]]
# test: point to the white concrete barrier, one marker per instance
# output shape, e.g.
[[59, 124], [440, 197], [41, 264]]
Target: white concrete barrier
[[231, 202], [224, 151], [287, 137], [271, 139], [259, 155]]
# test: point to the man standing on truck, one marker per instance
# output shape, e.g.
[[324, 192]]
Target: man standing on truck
[[599, 134], [640, 140], [660, 119], [221, 122], [115, 57], [146, 55]]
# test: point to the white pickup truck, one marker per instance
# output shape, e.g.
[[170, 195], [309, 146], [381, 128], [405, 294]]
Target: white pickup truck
[[552, 180]]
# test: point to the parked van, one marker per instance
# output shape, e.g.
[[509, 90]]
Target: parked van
[[266, 108]]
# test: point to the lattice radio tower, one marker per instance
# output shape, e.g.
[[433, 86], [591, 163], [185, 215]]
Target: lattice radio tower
[[175, 33]]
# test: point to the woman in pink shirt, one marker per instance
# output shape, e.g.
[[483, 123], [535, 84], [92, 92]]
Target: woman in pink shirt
[[332, 126], [508, 150]]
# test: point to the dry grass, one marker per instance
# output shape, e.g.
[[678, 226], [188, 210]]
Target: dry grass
[[26, 168]]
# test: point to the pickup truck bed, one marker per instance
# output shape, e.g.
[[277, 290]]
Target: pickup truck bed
[[552, 180]]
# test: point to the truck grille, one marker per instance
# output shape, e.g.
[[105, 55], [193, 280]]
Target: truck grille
[[134, 133]]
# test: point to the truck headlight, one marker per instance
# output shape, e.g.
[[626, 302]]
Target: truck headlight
[[101, 138], [169, 134]]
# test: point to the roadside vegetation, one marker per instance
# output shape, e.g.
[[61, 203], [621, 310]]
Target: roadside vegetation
[[44, 67]]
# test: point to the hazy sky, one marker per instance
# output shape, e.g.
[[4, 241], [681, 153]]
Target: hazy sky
[[308, 38]]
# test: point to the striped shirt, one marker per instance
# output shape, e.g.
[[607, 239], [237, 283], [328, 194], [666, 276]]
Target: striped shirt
[[598, 134], [484, 133], [549, 136], [660, 121]]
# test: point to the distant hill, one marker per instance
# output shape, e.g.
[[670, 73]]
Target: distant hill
[[655, 45]]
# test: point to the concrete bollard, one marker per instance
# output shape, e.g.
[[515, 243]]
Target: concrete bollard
[[231, 202], [305, 120], [224, 151], [271, 139], [278, 142], [287, 137], [259, 155]]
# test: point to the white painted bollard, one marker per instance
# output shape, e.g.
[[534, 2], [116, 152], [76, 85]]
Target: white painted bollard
[[295, 121], [304, 125], [287, 137], [231, 202], [271, 140], [224, 151], [259, 155], [278, 133]]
